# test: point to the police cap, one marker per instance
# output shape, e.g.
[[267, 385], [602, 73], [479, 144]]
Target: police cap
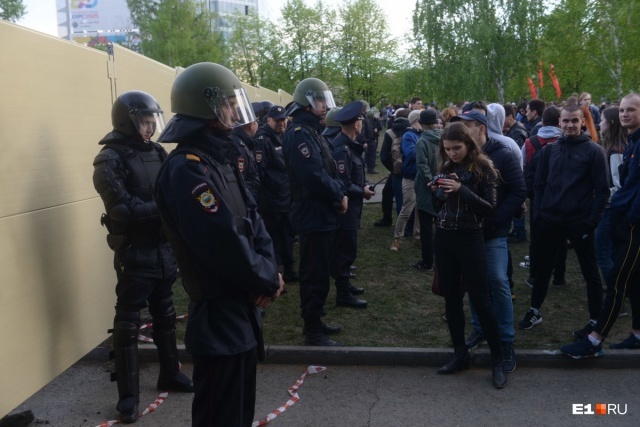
[[277, 113], [349, 113]]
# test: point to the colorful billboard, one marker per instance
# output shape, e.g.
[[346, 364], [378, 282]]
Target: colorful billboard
[[99, 16]]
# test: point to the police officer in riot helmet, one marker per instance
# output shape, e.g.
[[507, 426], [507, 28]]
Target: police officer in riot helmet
[[331, 126], [318, 198], [124, 175], [225, 254]]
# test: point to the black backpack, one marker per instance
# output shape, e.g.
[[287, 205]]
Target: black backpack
[[385, 152]]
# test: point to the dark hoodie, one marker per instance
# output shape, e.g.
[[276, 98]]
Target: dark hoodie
[[571, 183]]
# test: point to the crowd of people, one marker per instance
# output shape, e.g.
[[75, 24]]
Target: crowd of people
[[246, 180]]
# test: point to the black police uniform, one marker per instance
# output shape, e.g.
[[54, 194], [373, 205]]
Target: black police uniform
[[245, 162], [315, 192], [347, 154], [275, 197], [226, 258], [124, 174]]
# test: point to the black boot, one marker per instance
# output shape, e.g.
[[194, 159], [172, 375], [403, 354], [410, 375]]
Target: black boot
[[327, 329], [127, 364], [460, 362], [498, 377], [315, 335], [290, 275], [344, 297], [355, 290], [164, 337]]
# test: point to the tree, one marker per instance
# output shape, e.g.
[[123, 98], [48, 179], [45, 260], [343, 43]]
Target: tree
[[177, 32], [473, 49], [363, 55], [12, 10]]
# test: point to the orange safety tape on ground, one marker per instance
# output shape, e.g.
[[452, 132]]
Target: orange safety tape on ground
[[144, 338], [294, 396], [152, 407]]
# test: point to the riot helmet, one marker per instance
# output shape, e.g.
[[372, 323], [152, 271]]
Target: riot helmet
[[266, 106], [136, 113], [313, 93], [332, 127], [210, 91]]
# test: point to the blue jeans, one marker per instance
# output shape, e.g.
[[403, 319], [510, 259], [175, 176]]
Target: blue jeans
[[497, 261], [519, 229], [604, 245]]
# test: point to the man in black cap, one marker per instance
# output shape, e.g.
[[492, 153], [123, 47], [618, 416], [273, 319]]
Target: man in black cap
[[426, 168], [347, 153], [275, 194]]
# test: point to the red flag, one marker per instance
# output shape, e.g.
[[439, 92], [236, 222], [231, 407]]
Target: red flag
[[532, 88], [554, 81], [540, 76]]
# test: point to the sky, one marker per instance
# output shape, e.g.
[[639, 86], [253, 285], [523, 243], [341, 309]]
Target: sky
[[41, 14]]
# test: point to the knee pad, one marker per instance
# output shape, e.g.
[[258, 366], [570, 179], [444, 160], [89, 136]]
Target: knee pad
[[163, 313], [125, 329]]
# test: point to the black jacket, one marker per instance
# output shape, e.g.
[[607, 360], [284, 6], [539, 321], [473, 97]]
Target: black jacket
[[245, 163], [275, 193], [511, 192], [348, 156], [315, 187], [518, 133], [223, 249], [466, 208], [571, 183]]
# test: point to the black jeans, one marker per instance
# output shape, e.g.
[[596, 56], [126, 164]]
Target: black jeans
[[461, 257], [625, 274], [550, 236], [426, 237], [387, 200], [560, 267]]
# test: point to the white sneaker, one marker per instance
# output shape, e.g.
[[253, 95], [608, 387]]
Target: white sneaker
[[526, 258], [525, 264]]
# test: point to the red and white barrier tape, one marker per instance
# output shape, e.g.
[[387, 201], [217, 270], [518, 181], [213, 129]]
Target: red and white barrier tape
[[144, 338], [152, 407], [294, 396]]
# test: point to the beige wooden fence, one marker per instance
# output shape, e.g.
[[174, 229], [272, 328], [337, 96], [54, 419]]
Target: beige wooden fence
[[57, 295]]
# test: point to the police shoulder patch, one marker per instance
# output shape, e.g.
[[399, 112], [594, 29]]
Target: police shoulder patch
[[304, 150], [341, 166], [203, 195], [241, 164], [258, 154]]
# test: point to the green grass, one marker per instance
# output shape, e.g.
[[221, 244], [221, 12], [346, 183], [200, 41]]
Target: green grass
[[403, 312]]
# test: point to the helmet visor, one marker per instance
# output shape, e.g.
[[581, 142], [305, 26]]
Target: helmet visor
[[147, 122], [320, 101], [232, 108]]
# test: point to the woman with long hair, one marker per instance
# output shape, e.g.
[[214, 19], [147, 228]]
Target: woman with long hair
[[614, 141], [466, 190]]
